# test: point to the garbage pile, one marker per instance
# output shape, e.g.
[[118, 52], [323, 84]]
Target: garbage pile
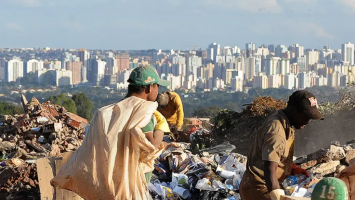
[[214, 173], [44, 130]]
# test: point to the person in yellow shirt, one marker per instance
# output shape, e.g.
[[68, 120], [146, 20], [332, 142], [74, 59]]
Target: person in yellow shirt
[[170, 106]]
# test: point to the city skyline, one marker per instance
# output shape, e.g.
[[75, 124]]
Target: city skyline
[[179, 24], [226, 68]]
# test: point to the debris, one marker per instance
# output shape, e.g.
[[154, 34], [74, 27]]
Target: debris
[[45, 130], [326, 168]]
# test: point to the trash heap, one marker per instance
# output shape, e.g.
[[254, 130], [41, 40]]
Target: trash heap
[[214, 173], [44, 130]]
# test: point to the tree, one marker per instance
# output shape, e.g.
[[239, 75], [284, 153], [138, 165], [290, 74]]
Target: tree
[[62, 100], [9, 109], [84, 105], [207, 112]]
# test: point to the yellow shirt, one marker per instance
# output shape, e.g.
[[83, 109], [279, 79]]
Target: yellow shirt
[[174, 112]]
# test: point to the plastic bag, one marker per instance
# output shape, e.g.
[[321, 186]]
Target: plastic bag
[[205, 184]]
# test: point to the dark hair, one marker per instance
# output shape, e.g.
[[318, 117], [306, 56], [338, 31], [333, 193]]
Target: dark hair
[[135, 89]]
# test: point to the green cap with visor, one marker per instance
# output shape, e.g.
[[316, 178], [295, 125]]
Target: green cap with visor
[[146, 75]]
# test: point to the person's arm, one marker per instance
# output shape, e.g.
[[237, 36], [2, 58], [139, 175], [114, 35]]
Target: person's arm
[[179, 113], [270, 175], [155, 138]]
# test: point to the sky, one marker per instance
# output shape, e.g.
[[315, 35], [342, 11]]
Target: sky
[[174, 24]]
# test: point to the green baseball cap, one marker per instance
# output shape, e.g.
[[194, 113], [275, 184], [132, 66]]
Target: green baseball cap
[[146, 75], [330, 189]]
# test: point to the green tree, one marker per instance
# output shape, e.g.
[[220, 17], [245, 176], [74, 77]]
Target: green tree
[[84, 105], [208, 112], [62, 100], [10, 109]]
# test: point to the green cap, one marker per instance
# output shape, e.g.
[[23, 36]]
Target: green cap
[[146, 75], [330, 189]]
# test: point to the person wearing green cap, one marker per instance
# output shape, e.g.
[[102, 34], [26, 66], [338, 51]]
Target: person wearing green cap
[[330, 189], [144, 83], [270, 159], [116, 158]]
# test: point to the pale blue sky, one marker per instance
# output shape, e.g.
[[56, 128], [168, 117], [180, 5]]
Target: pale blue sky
[[174, 24]]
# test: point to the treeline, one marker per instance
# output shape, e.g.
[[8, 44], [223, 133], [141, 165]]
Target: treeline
[[10, 109]]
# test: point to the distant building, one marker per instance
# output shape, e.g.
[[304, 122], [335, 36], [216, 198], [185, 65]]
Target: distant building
[[63, 77], [123, 62], [76, 68], [13, 70], [33, 65], [291, 81], [347, 51], [260, 81], [312, 58], [304, 79]]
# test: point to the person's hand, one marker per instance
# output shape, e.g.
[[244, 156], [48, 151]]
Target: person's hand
[[297, 170], [276, 194]]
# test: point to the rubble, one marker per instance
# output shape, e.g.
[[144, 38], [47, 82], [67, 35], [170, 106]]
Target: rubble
[[44, 130], [325, 168]]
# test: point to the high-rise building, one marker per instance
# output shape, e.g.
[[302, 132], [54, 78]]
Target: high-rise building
[[294, 68], [122, 61], [260, 81], [193, 62], [2, 70], [312, 58], [179, 69], [250, 46], [301, 61], [347, 51], [213, 51], [63, 77], [304, 80], [272, 65], [33, 65], [274, 81], [98, 72], [76, 68], [250, 68], [284, 66], [321, 81], [111, 65], [334, 79], [237, 84], [13, 70], [84, 56], [291, 81], [280, 49], [299, 50], [271, 48]]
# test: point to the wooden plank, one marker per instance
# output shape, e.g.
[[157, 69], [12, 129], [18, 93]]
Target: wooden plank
[[45, 175], [61, 194], [47, 169]]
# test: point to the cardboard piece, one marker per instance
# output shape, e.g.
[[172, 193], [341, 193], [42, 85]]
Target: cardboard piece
[[47, 168]]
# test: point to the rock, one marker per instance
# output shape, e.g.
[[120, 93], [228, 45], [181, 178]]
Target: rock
[[325, 168], [350, 157], [308, 164], [326, 155], [335, 143], [347, 148]]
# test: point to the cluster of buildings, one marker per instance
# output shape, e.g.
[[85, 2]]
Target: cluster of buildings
[[227, 68], [234, 69]]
